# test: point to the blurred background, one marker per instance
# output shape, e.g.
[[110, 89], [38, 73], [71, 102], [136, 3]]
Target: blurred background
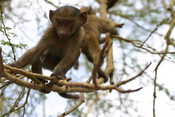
[[148, 24]]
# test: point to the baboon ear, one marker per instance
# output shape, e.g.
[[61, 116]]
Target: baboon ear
[[83, 16], [51, 12], [85, 9]]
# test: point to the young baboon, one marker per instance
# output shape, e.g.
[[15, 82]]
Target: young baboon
[[59, 47]]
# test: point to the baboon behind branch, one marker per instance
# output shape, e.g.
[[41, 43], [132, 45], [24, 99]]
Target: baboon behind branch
[[94, 27]]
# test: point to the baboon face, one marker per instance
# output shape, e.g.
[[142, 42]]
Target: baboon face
[[67, 21]]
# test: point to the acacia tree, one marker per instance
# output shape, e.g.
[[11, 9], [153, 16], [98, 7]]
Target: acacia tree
[[146, 37]]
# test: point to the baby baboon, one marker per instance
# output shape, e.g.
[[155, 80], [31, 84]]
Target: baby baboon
[[59, 47]]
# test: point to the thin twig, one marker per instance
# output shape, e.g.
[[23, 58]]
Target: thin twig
[[73, 108], [15, 106], [51, 3], [167, 38], [7, 36], [153, 31], [138, 43], [133, 78]]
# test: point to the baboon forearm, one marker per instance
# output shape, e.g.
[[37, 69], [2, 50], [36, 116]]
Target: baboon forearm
[[25, 59], [29, 56], [66, 63]]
